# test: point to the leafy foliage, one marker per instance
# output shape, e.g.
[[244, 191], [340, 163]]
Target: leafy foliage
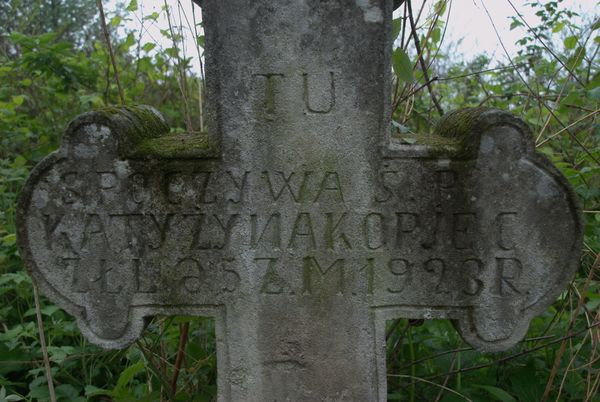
[[58, 67]]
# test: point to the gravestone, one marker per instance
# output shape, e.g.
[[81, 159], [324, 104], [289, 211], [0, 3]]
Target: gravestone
[[300, 225]]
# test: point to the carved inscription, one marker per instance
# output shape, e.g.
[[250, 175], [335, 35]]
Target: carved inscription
[[316, 89], [306, 242]]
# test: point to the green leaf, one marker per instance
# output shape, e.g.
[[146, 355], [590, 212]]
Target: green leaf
[[570, 42], [440, 7], [116, 20], [596, 25], [594, 93], [436, 34], [148, 46], [133, 5], [18, 100], [129, 41], [558, 27], [128, 374], [403, 67], [497, 393], [91, 390], [396, 26], [154, 16], [515, 23]]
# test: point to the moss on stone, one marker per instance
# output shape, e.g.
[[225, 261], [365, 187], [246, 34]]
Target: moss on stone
[[144, 134], [459, 123], [461, 126], [173, 146], [137, 122]]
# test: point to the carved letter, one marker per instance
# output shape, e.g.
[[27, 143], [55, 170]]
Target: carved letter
[[51, 225], [505, 233], [204, 179], [82, 280], [507, 271], [303, 227], [240, 186], [270, 86], [174, 187], [145, 282], [193, 271], [330, 185], [374, 230], [406, 222], [473, 268], [310, 263], [275, 228], [107, 181], [71, 194], [388, 192], [296, 195], [93, 231], [462, 234], [161, 228], [400, 268], [330, 231], [437, 266], [206, 237], [273, 283], [138, 188], [308, 100]]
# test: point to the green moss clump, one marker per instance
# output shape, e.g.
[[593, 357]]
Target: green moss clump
[[137, 123], [176, 146], [459, 123], [143, 133]]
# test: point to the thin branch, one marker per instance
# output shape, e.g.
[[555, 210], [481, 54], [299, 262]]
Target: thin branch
[[183, 338], [421, 61], [40, 323], [431, 383], [413, 92], [587, 116], [545, 46], [489, 70], [110, 51], [515, 355], [182, 81], [537, 96], [563, 345]]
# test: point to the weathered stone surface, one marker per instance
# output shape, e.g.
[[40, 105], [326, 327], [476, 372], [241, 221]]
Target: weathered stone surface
[[300, 225]]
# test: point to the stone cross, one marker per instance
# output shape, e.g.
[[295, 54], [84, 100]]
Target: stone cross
[[299, 224]]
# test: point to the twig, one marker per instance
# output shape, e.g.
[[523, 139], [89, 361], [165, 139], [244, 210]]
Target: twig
[[489, 70], [183, 337], [545, 46], [519, 354], [587, 116], [537, 96], [421, 61], [110, 51], [201, 80], [563, 345], [580, 55], [439, 395], [154, 368], [431, 383], [414, 91], [568, 368], [38, 314], [180, 70]]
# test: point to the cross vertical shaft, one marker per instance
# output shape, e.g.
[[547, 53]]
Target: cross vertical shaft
[[299, 95]]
